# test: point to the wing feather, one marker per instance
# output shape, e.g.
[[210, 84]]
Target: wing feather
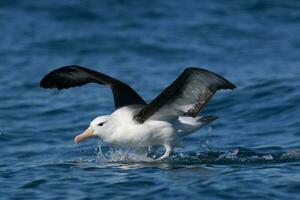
[[187, 95], [74, 75]]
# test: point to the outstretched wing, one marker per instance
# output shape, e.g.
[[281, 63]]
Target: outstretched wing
[[187, 95], [74, 75]]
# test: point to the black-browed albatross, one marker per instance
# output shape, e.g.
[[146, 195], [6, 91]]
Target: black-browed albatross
[[136, 124]]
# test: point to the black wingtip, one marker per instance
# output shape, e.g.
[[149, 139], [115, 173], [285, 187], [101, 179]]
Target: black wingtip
[[58, 77], [229, 85], [43, 82], [222, 82], [47, 80]]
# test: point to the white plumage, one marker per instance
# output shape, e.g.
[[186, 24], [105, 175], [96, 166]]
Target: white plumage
[[136, 124], [120, 129]]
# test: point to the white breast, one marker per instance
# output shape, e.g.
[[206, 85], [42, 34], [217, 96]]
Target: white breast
[[126, 132]]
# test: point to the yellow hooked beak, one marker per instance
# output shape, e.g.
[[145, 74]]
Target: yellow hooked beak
[[86, 134]]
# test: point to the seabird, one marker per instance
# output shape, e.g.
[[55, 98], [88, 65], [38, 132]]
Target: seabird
[[172, 115]]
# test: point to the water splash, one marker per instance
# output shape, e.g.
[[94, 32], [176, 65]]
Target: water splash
[[121, 155], [291, 155], [228, 155], [207, 140], [100, 156], [235, 156]]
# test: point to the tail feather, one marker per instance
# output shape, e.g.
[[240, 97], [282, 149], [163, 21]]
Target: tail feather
[[208, 119], [189, 125]]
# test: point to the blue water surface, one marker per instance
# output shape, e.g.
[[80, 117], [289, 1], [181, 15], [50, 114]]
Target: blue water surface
[[251, 152]]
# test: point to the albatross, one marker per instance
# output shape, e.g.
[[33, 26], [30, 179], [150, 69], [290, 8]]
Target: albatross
[[163, 122]]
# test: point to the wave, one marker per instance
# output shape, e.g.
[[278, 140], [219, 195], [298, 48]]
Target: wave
[[238, 156]]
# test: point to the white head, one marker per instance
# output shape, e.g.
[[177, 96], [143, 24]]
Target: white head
[[98, 128]]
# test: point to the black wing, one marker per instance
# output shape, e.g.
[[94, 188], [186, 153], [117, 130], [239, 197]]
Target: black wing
[[187, 95], [74, 75]]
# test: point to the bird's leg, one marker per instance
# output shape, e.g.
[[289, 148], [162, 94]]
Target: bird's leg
[[152, 151], [167, 152]]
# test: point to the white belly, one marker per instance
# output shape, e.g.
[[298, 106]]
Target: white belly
[[149, 133], [126, 132]]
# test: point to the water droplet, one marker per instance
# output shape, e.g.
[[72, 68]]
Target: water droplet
[[268, 157]]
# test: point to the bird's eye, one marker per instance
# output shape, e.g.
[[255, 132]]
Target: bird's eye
[[101, 124]]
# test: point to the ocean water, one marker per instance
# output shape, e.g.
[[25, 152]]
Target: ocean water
[[251, 152]]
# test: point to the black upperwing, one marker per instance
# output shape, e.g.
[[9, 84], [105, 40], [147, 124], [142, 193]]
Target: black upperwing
[[187, 95], [74, 75]]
